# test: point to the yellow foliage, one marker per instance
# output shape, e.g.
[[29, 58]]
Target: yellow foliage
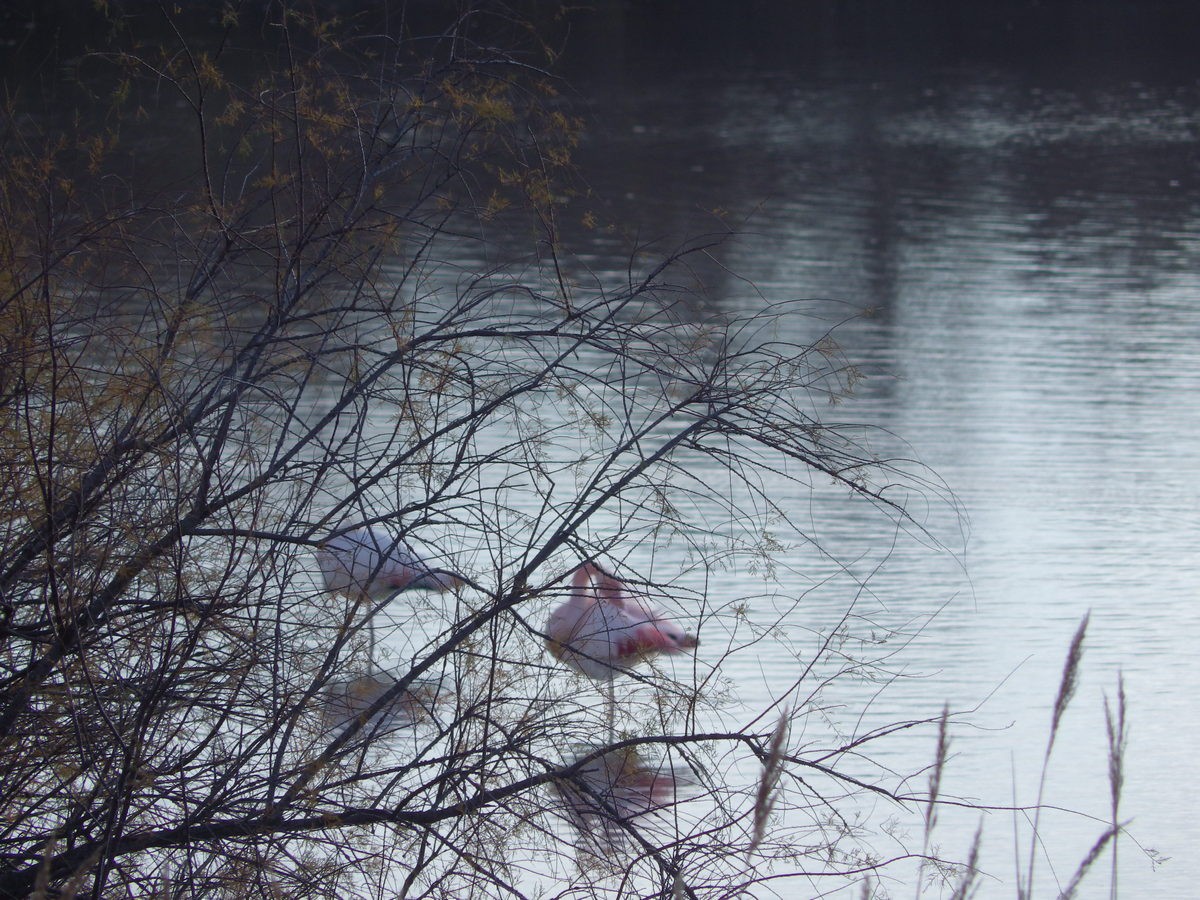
[[487, 104], [233, 111]]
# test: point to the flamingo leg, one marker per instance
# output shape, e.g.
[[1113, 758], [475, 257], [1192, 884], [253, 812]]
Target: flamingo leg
[[611, 697], [370, 644], [373, 607], [369, 621]]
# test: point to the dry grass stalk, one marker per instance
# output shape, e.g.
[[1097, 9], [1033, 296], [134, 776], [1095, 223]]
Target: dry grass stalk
[[1070, 679], [1118, 736], [768, 783], [1066, 690], [1088, 861], [935, 776], [963, 889]]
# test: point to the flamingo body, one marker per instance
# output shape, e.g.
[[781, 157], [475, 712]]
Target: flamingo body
[[601, 628], [370, 561]]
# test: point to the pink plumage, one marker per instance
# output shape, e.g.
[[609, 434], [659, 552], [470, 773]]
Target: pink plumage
[[601, 628]]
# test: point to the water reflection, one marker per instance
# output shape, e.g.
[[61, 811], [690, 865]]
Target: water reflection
[[375, 699], [610, 794]]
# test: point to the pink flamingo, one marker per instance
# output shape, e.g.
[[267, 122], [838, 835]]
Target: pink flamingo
[[603, 630], [369, 564]]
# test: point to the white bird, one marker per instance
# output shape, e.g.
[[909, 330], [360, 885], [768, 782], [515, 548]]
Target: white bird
[[601, 630], [368, 561], [369, 564]]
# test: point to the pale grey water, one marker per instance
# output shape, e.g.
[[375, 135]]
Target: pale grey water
[[1029, 246]]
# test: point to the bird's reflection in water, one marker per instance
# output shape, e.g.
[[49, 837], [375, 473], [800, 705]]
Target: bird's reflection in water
[[345, 701], [606, 794]]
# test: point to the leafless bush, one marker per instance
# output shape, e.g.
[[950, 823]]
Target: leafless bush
[[204, 375]]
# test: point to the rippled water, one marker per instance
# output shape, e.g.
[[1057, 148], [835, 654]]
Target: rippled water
[[1026, 242], [1028, 247]]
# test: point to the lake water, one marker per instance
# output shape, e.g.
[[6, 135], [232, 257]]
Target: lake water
[[1026, 239]]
